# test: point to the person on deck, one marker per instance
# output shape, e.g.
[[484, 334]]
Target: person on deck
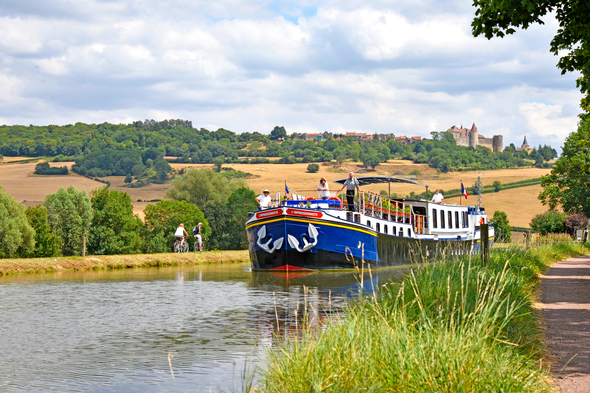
[[324, 189], [437, 197], [351, 183], [264, 200]]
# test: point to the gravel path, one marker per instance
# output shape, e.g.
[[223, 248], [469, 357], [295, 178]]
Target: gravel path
[[565, 304]]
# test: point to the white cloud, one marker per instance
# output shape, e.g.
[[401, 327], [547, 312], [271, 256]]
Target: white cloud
[[408, 67]]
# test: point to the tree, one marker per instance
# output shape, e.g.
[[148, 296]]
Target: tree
[[47, 243], [115, 229], [16, 234], [572, 41], [278, 133], [497, 185], [69, 213], [218, 163], [502, 228], [370, 161], [128, 179], [313, 168], [551, 221], [162, 219], [568, 184], [202, 187]]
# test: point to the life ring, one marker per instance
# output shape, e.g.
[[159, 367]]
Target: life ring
[[481, 221], [310, 199], [336, 199]]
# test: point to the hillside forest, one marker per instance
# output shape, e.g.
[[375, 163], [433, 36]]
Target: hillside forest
[[139, 148]]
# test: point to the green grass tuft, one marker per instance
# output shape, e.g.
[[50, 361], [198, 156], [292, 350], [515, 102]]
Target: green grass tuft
[[451, 326]]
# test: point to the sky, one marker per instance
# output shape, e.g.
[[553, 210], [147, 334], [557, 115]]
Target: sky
[[405, 67]]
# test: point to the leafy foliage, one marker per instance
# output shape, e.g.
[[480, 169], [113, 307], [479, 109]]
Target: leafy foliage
[[162, 219], [571, 43], [228, 220], [47, 243], [568, 184], [69, 213], [202, 187], [549, 222], [43, 168], [16, 234], [313, 168], [502, 228], [115, 229]]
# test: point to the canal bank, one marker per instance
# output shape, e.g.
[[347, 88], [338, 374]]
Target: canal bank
[[457, 325], [102, 262]]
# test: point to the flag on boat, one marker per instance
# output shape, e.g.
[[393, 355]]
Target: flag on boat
[[287, 189], [464, 191]]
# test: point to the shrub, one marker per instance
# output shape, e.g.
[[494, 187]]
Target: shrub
[[416, 172], [313, 168], [502, 228], [551, 221]]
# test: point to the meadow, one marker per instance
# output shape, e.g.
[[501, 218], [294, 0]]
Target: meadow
[[19, 181]]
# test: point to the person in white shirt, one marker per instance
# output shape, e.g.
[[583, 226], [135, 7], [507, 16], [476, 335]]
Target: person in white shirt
[[437, 197], [264, 200], [180, 233], [351, 183], [324, 189]]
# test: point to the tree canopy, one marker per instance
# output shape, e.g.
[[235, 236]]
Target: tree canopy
[[69, 213], [15, 231], [47, 243], [115, 229], [571, 43], [568, 184]]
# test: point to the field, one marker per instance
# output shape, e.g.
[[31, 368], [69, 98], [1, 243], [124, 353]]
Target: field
[[19, 181]]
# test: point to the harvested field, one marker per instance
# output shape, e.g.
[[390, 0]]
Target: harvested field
[[31, 189], [100, 262], [13, 159]]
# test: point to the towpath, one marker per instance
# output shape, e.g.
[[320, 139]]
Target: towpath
[[565, 304]]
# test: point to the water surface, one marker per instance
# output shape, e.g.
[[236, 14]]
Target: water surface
[[113, 331]]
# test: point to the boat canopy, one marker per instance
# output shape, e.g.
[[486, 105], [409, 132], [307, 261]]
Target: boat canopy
[[366, 180]]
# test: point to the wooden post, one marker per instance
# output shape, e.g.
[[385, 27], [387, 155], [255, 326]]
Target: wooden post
[[527, 238], [83, 246], [485, 244]]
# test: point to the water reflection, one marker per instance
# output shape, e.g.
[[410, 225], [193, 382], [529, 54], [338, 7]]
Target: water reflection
[[111, 331]]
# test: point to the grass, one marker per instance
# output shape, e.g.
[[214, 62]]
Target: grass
[[451, 326], [103, 262]]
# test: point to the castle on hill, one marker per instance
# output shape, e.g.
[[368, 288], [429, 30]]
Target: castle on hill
[[470, 137]]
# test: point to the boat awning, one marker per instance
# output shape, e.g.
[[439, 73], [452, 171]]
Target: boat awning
[[366, 180]]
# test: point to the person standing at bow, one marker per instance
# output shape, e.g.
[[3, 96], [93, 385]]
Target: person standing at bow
[[351, 183]]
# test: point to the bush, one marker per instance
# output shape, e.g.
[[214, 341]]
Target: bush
[[47, 244], [313, 168], [416, 172], [43, 168], [549, 222], [502, 228]]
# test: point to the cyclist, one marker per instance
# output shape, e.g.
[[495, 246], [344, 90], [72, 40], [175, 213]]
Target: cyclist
[[198, 235], [180, 233]]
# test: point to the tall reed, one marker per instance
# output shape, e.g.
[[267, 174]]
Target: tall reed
[[451, 326]]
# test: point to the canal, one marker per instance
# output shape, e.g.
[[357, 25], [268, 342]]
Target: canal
[[114, 331]]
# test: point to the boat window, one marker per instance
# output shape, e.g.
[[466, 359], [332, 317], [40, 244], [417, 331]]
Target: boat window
[[385, 229], [378, 227], [465, 220], [394, 231], [450, 219], [409, 232], [368, 223], [442, 219], [401, 232], [456, 219], [434, 219]]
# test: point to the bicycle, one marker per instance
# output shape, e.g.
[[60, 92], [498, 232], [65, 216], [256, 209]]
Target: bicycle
[[181, 246], [196, 246]]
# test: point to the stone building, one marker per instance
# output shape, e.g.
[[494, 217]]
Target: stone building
[[471, 137], [525, 146]]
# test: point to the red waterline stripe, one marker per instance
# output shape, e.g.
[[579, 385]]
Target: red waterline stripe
[[290, 268]]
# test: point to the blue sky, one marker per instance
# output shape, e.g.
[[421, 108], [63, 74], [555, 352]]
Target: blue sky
[[402, 67]]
